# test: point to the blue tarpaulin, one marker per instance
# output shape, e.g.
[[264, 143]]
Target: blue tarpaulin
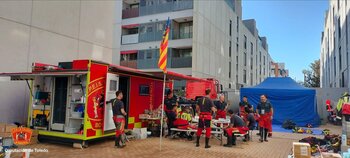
[[289, 100]]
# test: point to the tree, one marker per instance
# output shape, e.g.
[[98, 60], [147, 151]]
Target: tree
[[312, 75]]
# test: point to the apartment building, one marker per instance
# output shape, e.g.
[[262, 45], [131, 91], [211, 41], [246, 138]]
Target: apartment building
[[334, 56], [208, 39], [279, 70]]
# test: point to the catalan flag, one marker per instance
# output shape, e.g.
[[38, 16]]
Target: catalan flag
[[163, 50]]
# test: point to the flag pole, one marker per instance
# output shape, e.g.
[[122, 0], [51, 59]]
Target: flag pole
[[161, 118]]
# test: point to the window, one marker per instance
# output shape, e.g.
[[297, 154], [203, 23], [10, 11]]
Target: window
[[237, 24], [237, 64], [229, 70], [149, 55], [133, 56], [335, 67], [251, 63], [251, 79], [230, 31], [340, 66], [346, 28], [182, 53], [260, 57], [245, 76], [229, 49], [264, 61], [144, 90], [186, 30], [245, 59], [141, 54], [339, 28], [251, 48], [237, 48], [149, 28], [342, 80], [113, 86], [133, 31], [245, 42]]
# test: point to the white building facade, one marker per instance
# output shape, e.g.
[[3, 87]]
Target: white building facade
[[334, 56], [208, 39], [51, 32]]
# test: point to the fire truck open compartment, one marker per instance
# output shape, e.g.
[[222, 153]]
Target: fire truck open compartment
[[68, 102]]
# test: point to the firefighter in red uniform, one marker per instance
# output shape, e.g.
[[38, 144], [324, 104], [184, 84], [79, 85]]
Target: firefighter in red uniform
[[242, 106], [118, 117], [170, 103], [204, 108], [265, 113], [221, 106], [236, 125]]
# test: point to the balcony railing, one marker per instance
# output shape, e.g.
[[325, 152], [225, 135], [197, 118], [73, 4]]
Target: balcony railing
[[129, 39], [182, 5], [147, 63], [181, 62], [165, 6], [131, 63], [130, 13]]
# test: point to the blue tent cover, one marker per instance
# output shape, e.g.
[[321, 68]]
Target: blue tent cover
[[289, 99]]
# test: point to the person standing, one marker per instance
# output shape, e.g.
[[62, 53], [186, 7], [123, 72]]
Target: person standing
[[170, 103], [221, 106], [265, 113], [118, 118], [204, 107], [243, 105], [251, 122]]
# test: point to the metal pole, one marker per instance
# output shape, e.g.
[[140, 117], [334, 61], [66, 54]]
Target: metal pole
[[161, 118]]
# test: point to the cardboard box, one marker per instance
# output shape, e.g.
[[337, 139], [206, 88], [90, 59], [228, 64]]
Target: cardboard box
[[9, 128], [140, 133], [331, 155], [301, 150], [344, 148]]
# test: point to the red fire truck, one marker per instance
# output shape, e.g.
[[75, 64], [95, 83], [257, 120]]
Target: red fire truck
[[68, 101], [197, 88]]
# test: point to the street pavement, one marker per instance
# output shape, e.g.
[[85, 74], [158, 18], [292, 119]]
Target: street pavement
[[279, 146]]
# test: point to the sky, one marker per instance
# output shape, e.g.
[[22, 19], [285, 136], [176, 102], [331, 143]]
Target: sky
[[293, 29]]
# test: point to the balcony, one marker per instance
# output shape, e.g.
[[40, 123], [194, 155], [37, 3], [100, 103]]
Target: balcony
[[130, 39], [130, 63], [130, 13], [181, 62], [182, 5], [148, 7], [146, 63]]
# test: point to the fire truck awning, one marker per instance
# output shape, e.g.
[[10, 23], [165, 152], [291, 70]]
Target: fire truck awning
[[32, 75], [174, 76]]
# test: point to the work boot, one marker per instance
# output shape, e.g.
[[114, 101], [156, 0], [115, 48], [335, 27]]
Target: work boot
[[207, 142], [197, 141], [265, 135], [229, 142], [116, 142], [233, 140]]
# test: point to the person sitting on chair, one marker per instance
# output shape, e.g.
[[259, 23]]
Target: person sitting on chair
[[236, 125]]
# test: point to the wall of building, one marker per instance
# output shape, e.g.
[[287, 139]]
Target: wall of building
[[211, 46], [49, 32], [335, 45], [322, 94]]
